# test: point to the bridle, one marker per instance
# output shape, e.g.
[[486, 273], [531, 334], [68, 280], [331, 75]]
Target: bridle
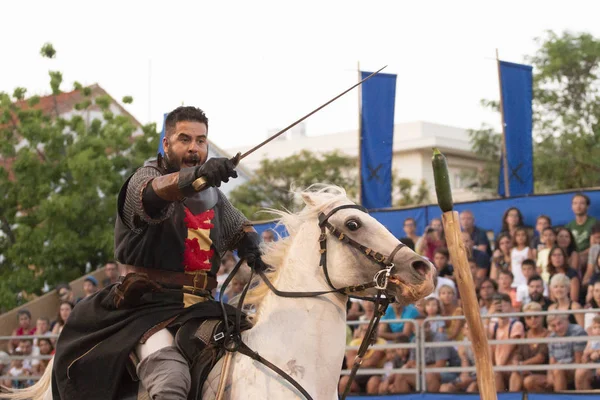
[[380, 281]]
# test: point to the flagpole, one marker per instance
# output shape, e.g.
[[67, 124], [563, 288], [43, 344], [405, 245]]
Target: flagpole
[[504, 155], [360, 200]]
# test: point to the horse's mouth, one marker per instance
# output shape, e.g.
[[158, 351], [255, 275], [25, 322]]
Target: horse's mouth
[[413, 286]]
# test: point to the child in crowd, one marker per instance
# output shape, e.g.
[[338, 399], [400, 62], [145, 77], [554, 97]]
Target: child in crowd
[[519, 253], [433, 308]]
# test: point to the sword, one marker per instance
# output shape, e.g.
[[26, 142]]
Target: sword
[[200, 183]]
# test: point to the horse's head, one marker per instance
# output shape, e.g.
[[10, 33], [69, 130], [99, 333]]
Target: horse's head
[[365, 249]]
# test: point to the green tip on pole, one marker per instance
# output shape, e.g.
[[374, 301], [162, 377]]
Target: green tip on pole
[[436, 151]]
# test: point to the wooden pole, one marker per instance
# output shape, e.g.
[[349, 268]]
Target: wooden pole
[[466, 287], [360, 200], [504, 155], [464, 279]]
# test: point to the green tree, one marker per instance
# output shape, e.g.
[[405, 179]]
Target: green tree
[[270, 187], [58, 185], [566, 115], [407, 195]]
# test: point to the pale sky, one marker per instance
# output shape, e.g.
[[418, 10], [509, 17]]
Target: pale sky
[[258, 65]]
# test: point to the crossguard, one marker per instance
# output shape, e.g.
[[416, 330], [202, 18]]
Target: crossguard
[[381, 278]]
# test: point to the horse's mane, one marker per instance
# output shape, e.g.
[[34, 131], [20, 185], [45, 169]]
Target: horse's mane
[[275, 253]]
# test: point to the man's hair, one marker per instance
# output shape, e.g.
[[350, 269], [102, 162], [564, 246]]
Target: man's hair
[[184, 114], [548, 228], [505, 297], [44, 319], [547, 218], [528, 261], [584, 196], [535, 278], [23, 312], [507, 272]]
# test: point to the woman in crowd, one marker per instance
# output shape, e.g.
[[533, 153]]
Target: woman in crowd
[[566, 241], [501, 257], [64, 310], [511, 220], [560, 285], [557, 264], [432, 239], [549, 240], [450, 308], [531, 353], [46, 349], [593, 303]]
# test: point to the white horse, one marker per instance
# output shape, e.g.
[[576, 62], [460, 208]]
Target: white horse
[[305, 337]]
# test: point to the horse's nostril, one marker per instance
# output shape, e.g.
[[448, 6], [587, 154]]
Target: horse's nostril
[[421, 267]]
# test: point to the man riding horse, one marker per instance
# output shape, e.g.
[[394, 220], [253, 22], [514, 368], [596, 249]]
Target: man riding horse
[[169, 239]]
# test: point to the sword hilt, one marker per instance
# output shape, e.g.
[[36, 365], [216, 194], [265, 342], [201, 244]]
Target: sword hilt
[[200, 183]]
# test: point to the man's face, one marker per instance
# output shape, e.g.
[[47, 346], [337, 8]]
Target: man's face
[[111, 270], [466, 220], [559, 326], [25, 346], [88, 287], [466, 238], [528, 270], [24, 321], [579, 206], [187, 146], [536, 290], [504, 281], [41, 326], [409, 226], [541, 224], [439, 260], [486, 291]]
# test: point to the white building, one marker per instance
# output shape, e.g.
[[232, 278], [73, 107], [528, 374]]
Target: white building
[[413, 143]]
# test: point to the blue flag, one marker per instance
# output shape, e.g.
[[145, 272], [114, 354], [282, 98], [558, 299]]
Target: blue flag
[[161, 151], [517, 95], [377, 139]]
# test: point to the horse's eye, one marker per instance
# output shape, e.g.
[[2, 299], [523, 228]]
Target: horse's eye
[[353, 224]]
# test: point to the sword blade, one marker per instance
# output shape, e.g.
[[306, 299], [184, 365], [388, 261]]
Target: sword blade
[[290, 126]]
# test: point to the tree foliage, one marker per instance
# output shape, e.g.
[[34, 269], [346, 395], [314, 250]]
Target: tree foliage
[[58, 185], [566, 115]]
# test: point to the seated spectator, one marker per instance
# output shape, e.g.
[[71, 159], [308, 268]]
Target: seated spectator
[[482, 259], [65, 293], [111, 274], [549, 240], [478, 236], [535, 292], [528, 269], [42, 328], [440, 281], [432, 239], [355, 309], [594, 303], [373, 359], [501, 257], [45, 349], [582, 225], [505, 328], [559, 291], [530, 353], [511, 220], [466, 381], [542, 222], [237, 283], [26, 349], [395, 358], [395, 330], [487, 290], [25, 328], [450, 308], [64, 310], [410, 229], [408, 242], [520, 252], [18, 370], [584, 378], [90, 286], [562, 353], [440, 260], [593, 261], [433, 308], [566, 241], [434, 357], [557, 264], [505, 285]]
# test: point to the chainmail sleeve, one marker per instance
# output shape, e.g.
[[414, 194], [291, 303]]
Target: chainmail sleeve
[[133, 212], [232, 224]]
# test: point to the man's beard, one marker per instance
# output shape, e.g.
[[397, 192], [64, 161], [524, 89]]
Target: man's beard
[[174, 163], [536, 296]]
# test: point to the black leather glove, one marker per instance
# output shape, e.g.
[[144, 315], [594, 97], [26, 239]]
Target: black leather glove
[[216, 170], [249, 249]]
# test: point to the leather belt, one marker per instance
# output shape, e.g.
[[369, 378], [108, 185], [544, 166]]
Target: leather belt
[[190, 280]]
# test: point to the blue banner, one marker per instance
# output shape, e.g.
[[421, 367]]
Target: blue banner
[[162, 135], [517, 94], [377, 139]]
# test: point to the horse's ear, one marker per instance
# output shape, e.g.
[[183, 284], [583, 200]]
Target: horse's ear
[[308, 200]]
